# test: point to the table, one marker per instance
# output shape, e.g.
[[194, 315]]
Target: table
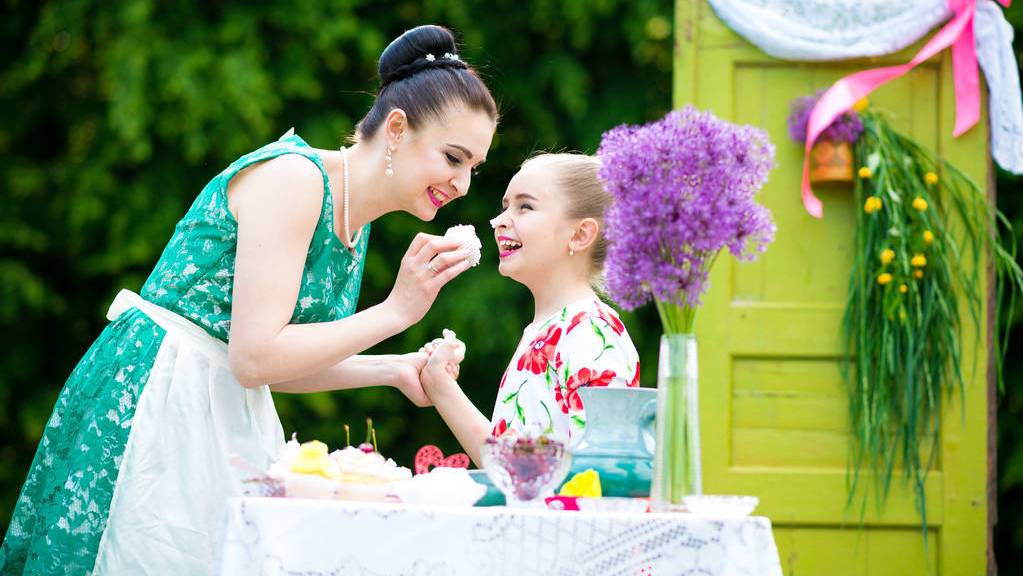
[[271, 536]]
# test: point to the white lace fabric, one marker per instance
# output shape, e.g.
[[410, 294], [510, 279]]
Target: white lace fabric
[[321, 538]]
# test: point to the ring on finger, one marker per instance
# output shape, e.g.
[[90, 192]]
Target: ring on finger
[[432, 268]]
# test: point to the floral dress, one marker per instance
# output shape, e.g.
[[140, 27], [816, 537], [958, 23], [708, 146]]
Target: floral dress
[[132, 470], [583, 344]]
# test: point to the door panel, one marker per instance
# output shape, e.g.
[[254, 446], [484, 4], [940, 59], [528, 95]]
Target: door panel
[[773, 405]]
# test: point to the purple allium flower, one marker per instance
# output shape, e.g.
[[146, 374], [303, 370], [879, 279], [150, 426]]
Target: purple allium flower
[[845, 128], [683, 190]]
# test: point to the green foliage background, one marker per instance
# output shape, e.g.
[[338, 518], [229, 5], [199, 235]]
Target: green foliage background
[[1008, 537], [114, 115]]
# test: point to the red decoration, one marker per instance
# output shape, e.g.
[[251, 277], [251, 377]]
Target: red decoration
[[562, 503], [430, 456]]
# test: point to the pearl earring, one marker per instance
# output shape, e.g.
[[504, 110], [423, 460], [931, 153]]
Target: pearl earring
[[571, 252], [390, 167]]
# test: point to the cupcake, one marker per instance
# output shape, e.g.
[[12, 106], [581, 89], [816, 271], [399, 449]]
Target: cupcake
[[306, 470], [367, 475]]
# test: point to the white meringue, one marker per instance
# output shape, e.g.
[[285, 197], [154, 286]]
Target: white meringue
[[466, 235]]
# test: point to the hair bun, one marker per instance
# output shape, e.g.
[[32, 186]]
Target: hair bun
[[407, 53]]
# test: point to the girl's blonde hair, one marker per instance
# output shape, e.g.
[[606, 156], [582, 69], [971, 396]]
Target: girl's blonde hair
[[576, 175]]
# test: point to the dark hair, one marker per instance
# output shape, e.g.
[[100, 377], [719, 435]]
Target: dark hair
[[421, 73]]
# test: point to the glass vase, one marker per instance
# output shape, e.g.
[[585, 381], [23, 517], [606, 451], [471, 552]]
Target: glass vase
[[677, 457]]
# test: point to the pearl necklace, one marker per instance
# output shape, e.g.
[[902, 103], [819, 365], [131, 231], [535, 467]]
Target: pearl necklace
[[349, 240]]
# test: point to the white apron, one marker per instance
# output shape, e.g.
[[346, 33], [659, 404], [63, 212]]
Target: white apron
[[175, 476]]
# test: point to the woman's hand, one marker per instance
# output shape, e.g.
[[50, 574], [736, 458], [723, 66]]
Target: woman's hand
[[407, 368], [429, 263]]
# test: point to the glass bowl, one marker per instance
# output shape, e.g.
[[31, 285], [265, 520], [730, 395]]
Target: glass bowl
[[526, 470]]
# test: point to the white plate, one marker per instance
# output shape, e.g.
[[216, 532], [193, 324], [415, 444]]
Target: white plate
[[441, 487], [720, 506], [612, 504]]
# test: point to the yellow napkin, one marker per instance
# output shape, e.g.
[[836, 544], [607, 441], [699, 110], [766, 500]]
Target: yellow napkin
[[585, 484]]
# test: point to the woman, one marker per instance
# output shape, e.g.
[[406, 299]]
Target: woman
[[550, 238], [256, 291]]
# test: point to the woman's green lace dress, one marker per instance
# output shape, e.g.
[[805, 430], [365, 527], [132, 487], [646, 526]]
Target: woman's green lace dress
[[130, 474]]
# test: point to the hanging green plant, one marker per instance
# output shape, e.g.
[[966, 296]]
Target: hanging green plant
[[921, 236]]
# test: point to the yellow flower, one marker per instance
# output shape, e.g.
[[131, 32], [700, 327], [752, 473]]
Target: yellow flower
[[887, 256], [919, 204], [928, 236], [931, 178], [861, 104], [865, 172], [873, 204], [902, 315], [918, 261], [903, 288], [585, 484], [884, 278], [918, 274]]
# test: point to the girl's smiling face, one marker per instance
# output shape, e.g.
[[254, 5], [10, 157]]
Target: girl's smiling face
[[532, 233]]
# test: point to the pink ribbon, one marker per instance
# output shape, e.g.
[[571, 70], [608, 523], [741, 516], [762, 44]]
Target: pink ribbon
[[957, 33]]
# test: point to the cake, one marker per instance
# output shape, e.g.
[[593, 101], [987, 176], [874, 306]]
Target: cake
[[362, 467], [306, 470], [309, 470]]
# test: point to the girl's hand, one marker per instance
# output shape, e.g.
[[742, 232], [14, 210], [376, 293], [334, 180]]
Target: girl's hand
[[442, 368], [429, 264], [459, 350], [430, 346]]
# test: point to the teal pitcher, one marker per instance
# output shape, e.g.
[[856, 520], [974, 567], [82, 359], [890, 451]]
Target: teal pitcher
[[618, 440]]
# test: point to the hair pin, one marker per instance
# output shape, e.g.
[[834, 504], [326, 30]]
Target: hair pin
[[430, 57], [451, 56]]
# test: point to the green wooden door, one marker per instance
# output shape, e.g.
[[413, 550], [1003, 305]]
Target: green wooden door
[[773, 405]]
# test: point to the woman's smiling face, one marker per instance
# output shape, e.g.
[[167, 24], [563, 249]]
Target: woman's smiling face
[[436, 165]]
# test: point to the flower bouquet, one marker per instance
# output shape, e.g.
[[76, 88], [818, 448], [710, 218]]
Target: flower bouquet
[[831, 158], [683, 190], [921, 236]]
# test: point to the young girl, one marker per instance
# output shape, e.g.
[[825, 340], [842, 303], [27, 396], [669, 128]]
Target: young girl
[[255, 291], [549, 238]]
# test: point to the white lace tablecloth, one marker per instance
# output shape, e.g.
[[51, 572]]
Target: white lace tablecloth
[[271, 536]]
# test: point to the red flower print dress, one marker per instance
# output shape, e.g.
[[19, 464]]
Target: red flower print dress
[[583, 344]]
